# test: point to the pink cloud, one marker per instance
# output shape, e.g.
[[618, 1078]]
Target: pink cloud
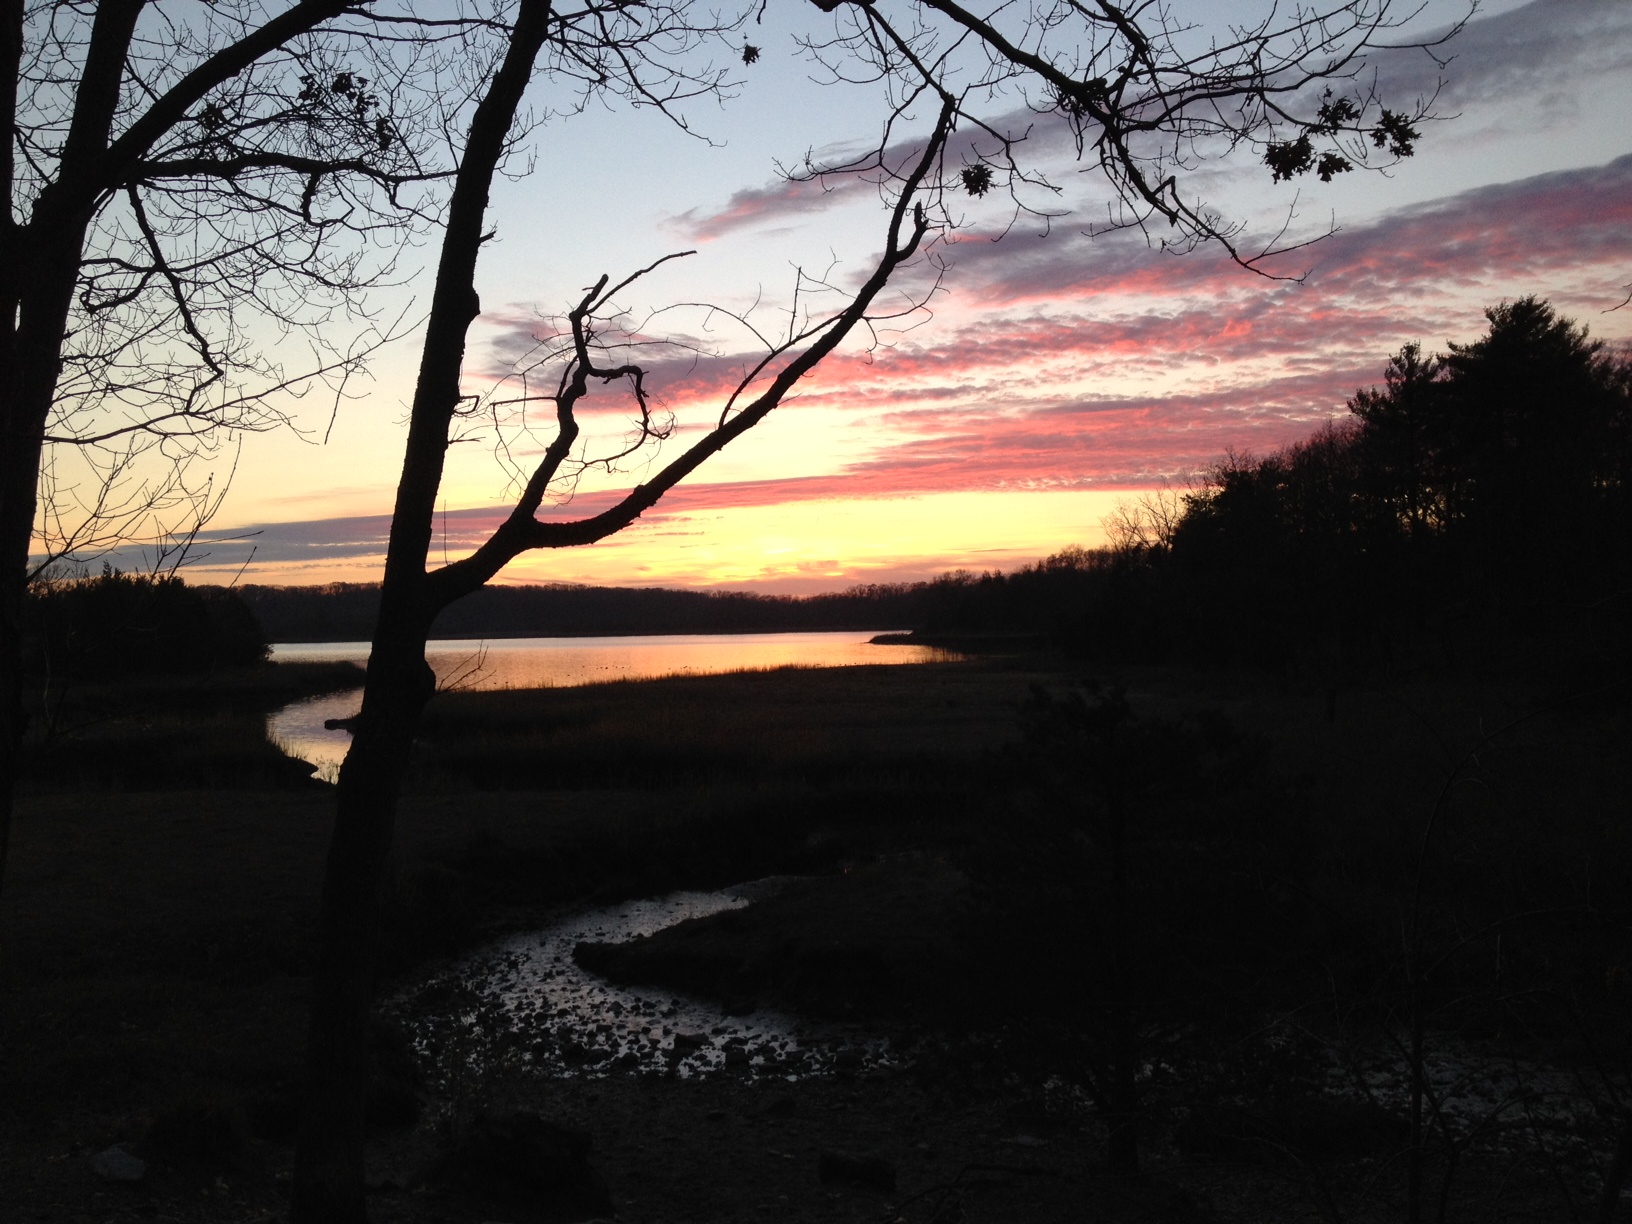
[[1202, 356], [783, 201], [1521, 55], [1531, 229]]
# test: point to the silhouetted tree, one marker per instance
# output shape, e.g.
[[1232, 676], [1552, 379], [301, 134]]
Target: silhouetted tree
[[1142, 803], [1478, 494], [1139, 100], [1486, 485], [174, 174]]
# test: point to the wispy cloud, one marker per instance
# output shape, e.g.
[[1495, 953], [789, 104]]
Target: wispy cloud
[[1521, 58], [1071, 364], [1082, 361], [1521, 54], [781, 201], [1531, 229]]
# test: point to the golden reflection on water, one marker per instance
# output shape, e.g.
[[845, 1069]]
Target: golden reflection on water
[[564, 663]]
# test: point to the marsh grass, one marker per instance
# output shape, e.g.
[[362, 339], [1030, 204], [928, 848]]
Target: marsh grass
[[170, 732], [792, 726], [155, 942]]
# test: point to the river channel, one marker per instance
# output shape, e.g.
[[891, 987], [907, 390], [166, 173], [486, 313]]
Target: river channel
[[520, 663], [523, 1004]]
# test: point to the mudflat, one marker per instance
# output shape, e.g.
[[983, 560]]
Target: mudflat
[[944, 890]]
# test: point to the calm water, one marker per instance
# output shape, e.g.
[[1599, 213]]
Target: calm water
[[564, 663]]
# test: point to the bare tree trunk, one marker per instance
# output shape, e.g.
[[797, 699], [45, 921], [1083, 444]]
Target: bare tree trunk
[[13, 456], [329, 1185], [1609, 1201], [329, 1157], [1415, 1157], [28, 380], [1122, 1096], [36, 289]]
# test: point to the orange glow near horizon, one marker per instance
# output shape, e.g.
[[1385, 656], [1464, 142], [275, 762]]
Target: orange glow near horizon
[[798, 547]]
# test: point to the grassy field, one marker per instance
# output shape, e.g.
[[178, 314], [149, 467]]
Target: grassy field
[[155, 931]]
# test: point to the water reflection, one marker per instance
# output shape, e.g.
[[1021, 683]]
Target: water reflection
[[525, 1004], [299, 728]]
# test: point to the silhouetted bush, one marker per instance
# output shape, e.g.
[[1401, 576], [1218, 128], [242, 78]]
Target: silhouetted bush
[[117, 625], [1478, 503]]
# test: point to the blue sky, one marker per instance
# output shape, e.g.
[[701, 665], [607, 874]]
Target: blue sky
[[1057, 373]]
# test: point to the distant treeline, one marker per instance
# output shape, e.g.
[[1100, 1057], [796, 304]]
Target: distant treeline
[[1480, 500], [344, 612], [1479, 503]]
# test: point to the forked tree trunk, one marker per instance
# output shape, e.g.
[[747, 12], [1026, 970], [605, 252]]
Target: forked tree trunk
[[39, 271], [1122, 1095], [30, 362], [329, 1181], [329, 1186], [329, 1158]]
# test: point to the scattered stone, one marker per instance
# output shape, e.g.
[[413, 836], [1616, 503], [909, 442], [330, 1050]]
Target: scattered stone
[[853, 1169], [116, 1164]]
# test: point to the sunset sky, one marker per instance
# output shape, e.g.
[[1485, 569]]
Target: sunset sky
[[1056, 374]]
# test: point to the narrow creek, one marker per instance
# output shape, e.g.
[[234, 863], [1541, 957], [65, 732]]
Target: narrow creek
[[523, 1007], [523, 1004]]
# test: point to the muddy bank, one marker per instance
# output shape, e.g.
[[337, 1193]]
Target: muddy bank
[[171, 733], [155, 954], [889, 940]]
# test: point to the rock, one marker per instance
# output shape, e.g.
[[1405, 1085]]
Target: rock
[[392, 1105], [116, 1164], [394, 1082], [274, 1115], [850, 1168], [522, 1162], [200, 1134]]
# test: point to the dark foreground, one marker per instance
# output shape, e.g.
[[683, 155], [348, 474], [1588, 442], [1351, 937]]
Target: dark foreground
[[949, 896]]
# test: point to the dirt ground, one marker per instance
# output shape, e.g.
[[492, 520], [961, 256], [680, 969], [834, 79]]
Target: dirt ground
[[153, 959], [154, 946]]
